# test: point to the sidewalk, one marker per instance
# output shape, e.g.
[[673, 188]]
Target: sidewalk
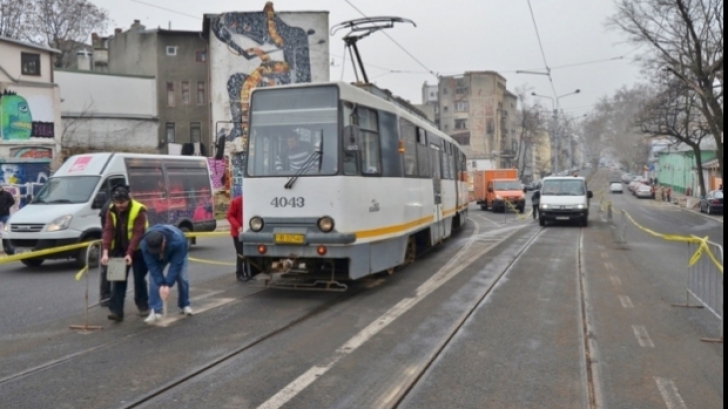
[[691, 204], [222, 225]]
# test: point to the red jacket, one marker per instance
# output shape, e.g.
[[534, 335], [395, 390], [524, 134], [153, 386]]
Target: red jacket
[[235, 215]]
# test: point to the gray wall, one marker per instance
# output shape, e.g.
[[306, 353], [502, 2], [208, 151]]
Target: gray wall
[[177, 69]]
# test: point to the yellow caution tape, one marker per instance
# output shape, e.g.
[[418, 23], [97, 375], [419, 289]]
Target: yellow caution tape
[[515, 210], [45, 252], [703, 248], [80, 274]]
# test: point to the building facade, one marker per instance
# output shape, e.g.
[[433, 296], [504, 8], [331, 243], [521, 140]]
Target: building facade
[[677, 169], [178, 61], [108, 112], [481, 114], [258, 49], [430, 103], [30, 118]]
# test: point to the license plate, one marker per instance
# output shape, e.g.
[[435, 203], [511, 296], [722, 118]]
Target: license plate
[[562, 218], [22, 251], [290, 238]]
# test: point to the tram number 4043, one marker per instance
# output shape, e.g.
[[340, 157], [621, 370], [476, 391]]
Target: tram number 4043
[[288, 202]]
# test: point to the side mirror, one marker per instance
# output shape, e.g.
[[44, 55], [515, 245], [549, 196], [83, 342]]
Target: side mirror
[[525, 190], [351, 135], [28, 198], [589, 194], [490, 190], [100, 200]]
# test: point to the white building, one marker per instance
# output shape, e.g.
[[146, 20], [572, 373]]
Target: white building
[[107, 112], [30, 118]]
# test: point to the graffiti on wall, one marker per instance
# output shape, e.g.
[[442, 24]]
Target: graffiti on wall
[[218, 170], [17, 118], [281, 50], [237, 168], [29, 152], [24, 180]]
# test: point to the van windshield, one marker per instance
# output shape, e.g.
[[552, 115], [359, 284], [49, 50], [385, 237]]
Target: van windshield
[[566, 187], [68, 189]]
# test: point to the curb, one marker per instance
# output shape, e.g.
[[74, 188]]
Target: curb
[[704, 216]]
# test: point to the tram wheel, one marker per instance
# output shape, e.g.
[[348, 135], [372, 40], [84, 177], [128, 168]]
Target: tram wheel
[[411, 253]]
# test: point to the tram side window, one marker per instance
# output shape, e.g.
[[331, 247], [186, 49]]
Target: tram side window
[[408, 133], [370, 158], [447, 162], [423, 155], [389, 137]]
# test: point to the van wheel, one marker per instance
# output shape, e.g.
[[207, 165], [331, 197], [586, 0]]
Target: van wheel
[[585, 222], [542, 221], [32, 262], [93, 257], [190, 241]]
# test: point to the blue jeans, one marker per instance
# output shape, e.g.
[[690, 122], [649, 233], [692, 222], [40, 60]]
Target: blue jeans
[[4, 219], [183, 291]]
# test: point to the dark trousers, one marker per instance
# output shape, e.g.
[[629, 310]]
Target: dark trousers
[[141, 294], [535, 211], [239, 269], [104, 285]]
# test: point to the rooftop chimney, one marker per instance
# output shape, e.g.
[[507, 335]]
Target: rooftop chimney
[[117, 31]]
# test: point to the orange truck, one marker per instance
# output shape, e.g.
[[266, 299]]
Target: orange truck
[[496, 186]]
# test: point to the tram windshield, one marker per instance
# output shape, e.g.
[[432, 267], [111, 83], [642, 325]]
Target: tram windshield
[[294, 132]]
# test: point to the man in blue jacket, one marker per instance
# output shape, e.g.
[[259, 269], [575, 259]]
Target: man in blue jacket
[[162, 245]]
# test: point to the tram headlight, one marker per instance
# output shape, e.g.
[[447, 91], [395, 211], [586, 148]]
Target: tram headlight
[[326, 224], [256, 224]]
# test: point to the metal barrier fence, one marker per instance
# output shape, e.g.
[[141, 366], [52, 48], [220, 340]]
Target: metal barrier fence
[[705, 281], [704, 270]]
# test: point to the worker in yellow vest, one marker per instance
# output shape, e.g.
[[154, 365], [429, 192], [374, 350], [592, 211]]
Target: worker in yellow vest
[[126, 223]]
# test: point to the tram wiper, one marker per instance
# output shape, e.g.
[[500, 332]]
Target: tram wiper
[[305, 168]]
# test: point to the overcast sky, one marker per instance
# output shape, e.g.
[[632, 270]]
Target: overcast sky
[[451, 37]]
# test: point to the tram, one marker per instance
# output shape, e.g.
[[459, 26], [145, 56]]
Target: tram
[[343, 181]]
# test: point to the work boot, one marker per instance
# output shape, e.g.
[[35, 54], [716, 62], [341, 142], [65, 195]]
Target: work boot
[[115, 317]]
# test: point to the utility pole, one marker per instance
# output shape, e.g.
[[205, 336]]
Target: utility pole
[[555, 149]]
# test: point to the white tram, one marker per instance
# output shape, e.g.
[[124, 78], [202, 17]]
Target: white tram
[[341, 183]]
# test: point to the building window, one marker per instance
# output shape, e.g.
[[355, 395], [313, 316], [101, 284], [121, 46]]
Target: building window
[[445, 108], [461, 124], [201, 92], [201, 55], [171, 50], [170, 132], [461, 106], [195, 132], [30, 64], [461, 90], [185, 92], [170, 95]]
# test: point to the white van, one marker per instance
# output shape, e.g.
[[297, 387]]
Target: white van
[[564, 199], [175, 189]]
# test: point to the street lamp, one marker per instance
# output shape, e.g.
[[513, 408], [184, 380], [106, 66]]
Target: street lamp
[[556, 105]]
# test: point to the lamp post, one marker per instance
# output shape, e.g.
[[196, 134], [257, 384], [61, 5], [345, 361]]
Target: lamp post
[[556, 144]]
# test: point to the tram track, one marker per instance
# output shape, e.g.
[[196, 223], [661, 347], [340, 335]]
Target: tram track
[[589, 350]]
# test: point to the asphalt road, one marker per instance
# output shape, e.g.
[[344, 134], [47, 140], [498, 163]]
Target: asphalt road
[[506, 315], [32, 296]]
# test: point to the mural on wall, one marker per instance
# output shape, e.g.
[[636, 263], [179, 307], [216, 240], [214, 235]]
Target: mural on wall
[[218, 169], [236, 169], [24, 180], [16, 118], [281, 49]]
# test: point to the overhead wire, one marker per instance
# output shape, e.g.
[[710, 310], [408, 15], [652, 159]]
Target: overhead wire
[[166, 9], [429, 71], [543, 52]]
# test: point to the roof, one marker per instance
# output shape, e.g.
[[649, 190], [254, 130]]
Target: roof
[[29, 45], [104, 73]]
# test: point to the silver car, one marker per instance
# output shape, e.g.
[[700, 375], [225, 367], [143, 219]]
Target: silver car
[[644, 192]]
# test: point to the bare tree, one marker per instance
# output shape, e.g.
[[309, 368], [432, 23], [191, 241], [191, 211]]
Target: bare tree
[[530, 124], [594, 130], [675, 112], [14, 16], [65, 25], [685, 37]]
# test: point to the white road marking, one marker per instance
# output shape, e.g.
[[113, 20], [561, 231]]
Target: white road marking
[[669, 393], [616, 281], [601, 247], [604, 254], [609, 266], [626, 301], [487, 220], [171, 318], [442, 276], [642, 336]]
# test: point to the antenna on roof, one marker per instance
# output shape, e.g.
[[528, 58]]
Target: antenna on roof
[[361, 28]]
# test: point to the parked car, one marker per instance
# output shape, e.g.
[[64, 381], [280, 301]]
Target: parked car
[[616, 187], [712, 203], [644, 192]]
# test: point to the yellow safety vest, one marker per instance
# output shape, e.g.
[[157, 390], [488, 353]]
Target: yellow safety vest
[[135, 209]]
